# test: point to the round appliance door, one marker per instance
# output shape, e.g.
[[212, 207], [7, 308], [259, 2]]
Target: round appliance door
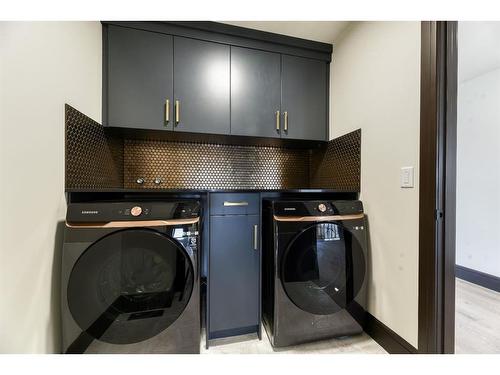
[[323, 268], [130, 285]]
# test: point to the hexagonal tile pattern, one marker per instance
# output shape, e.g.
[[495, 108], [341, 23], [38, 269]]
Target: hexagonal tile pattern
[[213, 166], [93, 160], [96, 160], [339, 166]]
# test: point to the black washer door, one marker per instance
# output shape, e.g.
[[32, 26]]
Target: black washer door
[[130, 285], [321, 270]]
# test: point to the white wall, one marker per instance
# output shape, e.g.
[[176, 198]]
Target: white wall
[[375, 86], [478, 173], [42, 66]]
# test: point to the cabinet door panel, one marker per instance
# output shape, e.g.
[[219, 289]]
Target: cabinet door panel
[[255, 92], [201, 85], [234, 273], [304, 95], [140, 78]]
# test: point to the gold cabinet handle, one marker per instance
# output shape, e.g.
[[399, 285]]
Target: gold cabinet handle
[[285, 114], [255, 237], [177, 111], [278, 121], [167, 111]]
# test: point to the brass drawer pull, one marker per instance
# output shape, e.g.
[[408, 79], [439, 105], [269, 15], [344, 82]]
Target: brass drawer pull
[[235, 204], [177, 111], [285, 114], [167, 111], [278, 121], [255, 237]]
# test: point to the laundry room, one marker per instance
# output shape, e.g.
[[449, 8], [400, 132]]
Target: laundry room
[[236, 185], [198, 182]]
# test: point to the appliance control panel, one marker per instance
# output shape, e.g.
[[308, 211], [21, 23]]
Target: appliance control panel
[[139, 210], [317, 208], [127, 211]]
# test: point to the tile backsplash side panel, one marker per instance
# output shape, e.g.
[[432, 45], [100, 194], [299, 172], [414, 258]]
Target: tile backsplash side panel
[[93, 160], [338, 166]]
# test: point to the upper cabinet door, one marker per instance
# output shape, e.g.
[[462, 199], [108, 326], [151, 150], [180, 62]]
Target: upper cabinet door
[[139, 79], [201, 86], [255, 92], [304, 98]]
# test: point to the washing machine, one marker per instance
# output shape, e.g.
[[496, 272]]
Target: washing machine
[[130, 278], [314, 270]]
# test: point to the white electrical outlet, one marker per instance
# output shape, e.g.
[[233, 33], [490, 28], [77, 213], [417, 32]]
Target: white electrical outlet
[[407, 177]]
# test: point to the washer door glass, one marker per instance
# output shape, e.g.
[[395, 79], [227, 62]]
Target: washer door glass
[[130, 285], [323, 268]]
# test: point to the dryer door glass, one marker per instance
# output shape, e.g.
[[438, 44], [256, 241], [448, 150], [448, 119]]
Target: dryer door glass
[[130, 285], [323, 269]]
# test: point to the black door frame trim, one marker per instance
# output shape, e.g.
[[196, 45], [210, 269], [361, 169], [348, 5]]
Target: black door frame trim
[[436, 323]]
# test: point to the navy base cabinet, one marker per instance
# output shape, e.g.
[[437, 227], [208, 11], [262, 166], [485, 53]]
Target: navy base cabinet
[[233, 266]]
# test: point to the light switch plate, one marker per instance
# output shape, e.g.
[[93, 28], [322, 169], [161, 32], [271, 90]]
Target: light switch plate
[[407, 176]]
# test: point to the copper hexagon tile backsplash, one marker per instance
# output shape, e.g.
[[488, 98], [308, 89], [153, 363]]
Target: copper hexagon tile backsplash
[[98, 160], [213, 166], [339, 164], [93, 160]]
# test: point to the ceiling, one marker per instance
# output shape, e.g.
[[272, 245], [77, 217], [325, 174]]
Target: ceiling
[[478, 48], [320, 31]]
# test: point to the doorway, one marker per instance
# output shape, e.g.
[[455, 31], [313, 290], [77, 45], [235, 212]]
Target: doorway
[[459, 196], [477, 306]]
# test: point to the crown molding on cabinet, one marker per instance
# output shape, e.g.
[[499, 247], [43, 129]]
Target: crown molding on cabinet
[[235, 36]]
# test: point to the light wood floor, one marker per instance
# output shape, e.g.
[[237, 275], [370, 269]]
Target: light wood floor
[[477, 330], [360, 344], [477, 319]]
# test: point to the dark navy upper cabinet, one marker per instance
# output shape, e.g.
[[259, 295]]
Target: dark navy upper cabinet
[[233, 306], [255, 92], [304, 98], [139, 79], [201, 86], [188, 79]]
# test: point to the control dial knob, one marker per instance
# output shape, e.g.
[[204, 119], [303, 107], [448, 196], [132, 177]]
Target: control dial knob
[[136, 211], [321, 207]]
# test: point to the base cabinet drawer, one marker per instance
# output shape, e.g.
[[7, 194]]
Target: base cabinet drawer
[[234, 275], [234, 204]]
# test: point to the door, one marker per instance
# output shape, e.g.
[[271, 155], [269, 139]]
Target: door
[[201, 86], [233, 273], [322, 269], [129, 286], [139, 79], [304, 98], [255, 92]]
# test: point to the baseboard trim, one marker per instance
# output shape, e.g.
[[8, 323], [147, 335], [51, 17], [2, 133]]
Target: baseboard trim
[[477, 277], [387, 338]]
